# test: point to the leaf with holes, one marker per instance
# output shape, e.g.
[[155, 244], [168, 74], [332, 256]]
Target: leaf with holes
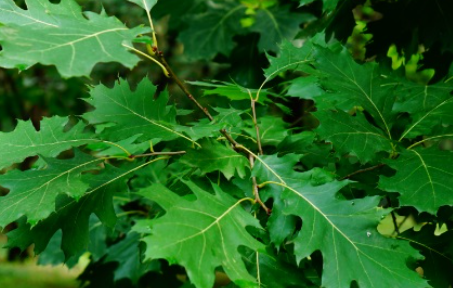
[[211, 239], [61, 35]]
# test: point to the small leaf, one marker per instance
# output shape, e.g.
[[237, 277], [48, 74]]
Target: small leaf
[[145, 4], [214, 156], [232, 91], [290, 58]]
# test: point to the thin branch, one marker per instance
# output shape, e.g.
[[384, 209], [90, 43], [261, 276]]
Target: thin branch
[[256, 191], [255, 123], [362, 171], [181, 85], [157, 154]]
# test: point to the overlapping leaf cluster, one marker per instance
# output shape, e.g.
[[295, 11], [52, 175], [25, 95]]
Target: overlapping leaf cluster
[[140, 187]]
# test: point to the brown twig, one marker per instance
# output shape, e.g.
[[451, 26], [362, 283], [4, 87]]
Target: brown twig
[[362, 171], [157, 154], [181, 85], [256, 191], [257, 128]]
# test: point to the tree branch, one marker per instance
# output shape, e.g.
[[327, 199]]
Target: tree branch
[[181, 85], [157, 154], [362, 171]]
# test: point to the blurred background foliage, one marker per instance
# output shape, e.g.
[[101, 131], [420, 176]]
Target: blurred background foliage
[[228, 40]]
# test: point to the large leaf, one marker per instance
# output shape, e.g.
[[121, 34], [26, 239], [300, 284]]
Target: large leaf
[[73, 217], [214, 156], [49, 141], [350, 84], [429, 105], [352, 135], [33, 192], [210, 239], [423, 178], [60, 35], [350, 252], [212, 32], [134, 112]]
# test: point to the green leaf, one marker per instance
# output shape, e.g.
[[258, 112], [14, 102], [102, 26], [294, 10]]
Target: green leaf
[[212, 32], [352, 135], [350, 84], [127, 110], [229, 117], [73, 217], [276, 25], [216, 230], [328, 5], [272, 130], [232, 91], [430, 106], [423, 178], [128, 254], [49, 141], [215, 156], [145, 4], [33, 192], [354, 252], [274, 271], [290, 58], [74, 42], [438, 252], [305, 88], [280, 225]]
